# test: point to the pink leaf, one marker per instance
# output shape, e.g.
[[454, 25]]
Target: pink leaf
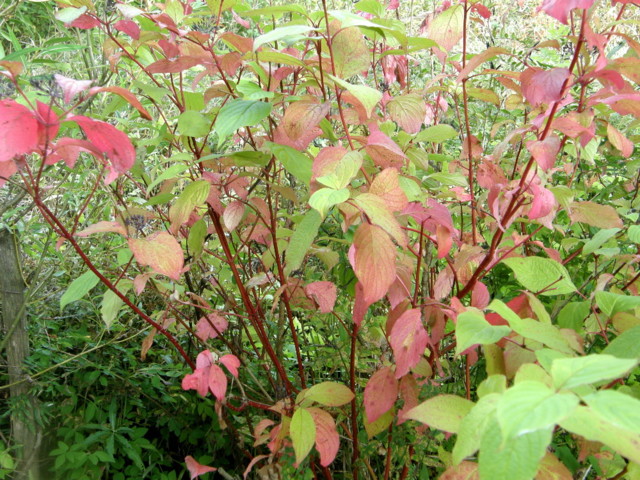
[[375, 264], [233, 214], [198, 380], [211, 326], [543, 202], [101, 227], [393, 4], [71, 87], [327, 438], [128, 27], [7, 169], [380, 394], [543, 86], [559, 9], [300, 117], [196, 469], [544, 152], [384, 151], [217, 382], [110, 141], [160, 251], [231, 362], [239, 20], [324, 293], [19, 129], [408, 341], [619, 141], [68, 150], [203, 359], [387, 186]]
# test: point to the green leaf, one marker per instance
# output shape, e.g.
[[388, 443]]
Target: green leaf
[[634, 233], [79, 288], [301, 240], [68, 15], [514, 459], [532, 329], [376, 209], [193, 124], [598, 240], [473, 426], [444, 412], [473, 329], [112, 303], [612, 303], [347, 168], [437, 134], [625, 345], [252, 91], [295, 162], [329, 394], [573, 315], [288, 34], [239, 113], [192, 196], [195, 241], [367, 96], [171, 172], [618, 409], [537, 274], [531, 406], [325, 198], [588, 424], [303, 433], [572, 372]]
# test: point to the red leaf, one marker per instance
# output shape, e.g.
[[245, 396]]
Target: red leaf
[[327, 438], [543, 86], [160, 251], [127, 95], [359, 305], [196, 469], [110, 141], [409, 392], [231, 362], [211, 326], [19, 129], [128, 27], [217, 382], [324, 293], [173, 66], [483, 11], [375, 261], [84, 22], [559, 9], [380, 394], [544, 152], [48, 124], [408, 341]]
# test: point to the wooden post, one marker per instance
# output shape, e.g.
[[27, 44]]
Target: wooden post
[[24, 429]]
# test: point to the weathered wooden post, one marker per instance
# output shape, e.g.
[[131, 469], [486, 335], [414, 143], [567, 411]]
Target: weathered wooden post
[[16, 341]]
